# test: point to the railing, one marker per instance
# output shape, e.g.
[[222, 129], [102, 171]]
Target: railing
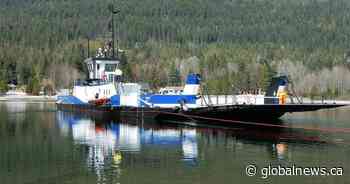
[[96, 82], [207, 100], [219, 100]]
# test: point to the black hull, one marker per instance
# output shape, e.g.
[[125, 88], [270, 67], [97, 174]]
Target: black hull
[[109, 113], [256, 113]]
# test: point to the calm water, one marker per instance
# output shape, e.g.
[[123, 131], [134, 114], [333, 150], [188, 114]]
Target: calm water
[[42, 145]]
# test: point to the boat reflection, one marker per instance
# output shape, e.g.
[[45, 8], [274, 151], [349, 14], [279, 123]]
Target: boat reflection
[[124, 143], [110, 139], [99, 140], [280, 150]]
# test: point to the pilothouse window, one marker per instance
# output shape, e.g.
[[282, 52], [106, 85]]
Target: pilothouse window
[[110, 67], [110, 77]]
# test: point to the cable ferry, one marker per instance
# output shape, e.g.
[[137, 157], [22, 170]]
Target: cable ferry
[[105, 93]]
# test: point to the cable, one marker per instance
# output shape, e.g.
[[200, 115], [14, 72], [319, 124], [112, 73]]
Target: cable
[[329, 130]]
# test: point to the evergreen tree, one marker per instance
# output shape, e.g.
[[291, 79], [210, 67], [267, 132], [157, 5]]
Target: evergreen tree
[[34, 83]]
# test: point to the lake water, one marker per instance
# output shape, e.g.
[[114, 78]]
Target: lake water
[[42, 145]]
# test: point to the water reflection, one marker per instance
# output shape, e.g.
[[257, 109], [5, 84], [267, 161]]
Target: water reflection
[[44, 146], [113, 136], [16, 107], [280, 150], [107, 141]]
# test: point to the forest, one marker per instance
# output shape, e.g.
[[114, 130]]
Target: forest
[[43, 42]]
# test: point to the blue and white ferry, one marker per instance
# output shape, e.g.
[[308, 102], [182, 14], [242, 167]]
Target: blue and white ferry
[[105, 93]]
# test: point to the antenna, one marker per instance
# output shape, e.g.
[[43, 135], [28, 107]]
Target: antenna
[[114, 12], [88, 49]]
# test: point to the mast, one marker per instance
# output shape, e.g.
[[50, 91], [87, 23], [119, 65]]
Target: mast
[[114, 12]]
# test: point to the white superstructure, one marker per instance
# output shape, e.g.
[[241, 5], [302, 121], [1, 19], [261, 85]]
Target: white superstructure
[[90, 92], [101, 68]]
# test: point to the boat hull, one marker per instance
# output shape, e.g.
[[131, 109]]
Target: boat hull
[[207, 114]]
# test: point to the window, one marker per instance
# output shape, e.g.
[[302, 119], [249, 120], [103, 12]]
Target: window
[[110, 77], [110, 67]]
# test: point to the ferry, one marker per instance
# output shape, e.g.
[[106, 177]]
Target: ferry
[[106, 94]]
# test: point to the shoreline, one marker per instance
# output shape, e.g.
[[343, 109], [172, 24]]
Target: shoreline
[[32, 98], [27, 98], [308, 100]]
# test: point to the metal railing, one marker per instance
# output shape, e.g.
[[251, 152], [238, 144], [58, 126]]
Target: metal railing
[[208, 100]]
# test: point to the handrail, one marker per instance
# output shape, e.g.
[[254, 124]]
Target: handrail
[[232, 99]]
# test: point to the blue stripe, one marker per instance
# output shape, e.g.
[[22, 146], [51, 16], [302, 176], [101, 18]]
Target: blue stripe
[[172, 99], [69, 100], [115, 100]]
